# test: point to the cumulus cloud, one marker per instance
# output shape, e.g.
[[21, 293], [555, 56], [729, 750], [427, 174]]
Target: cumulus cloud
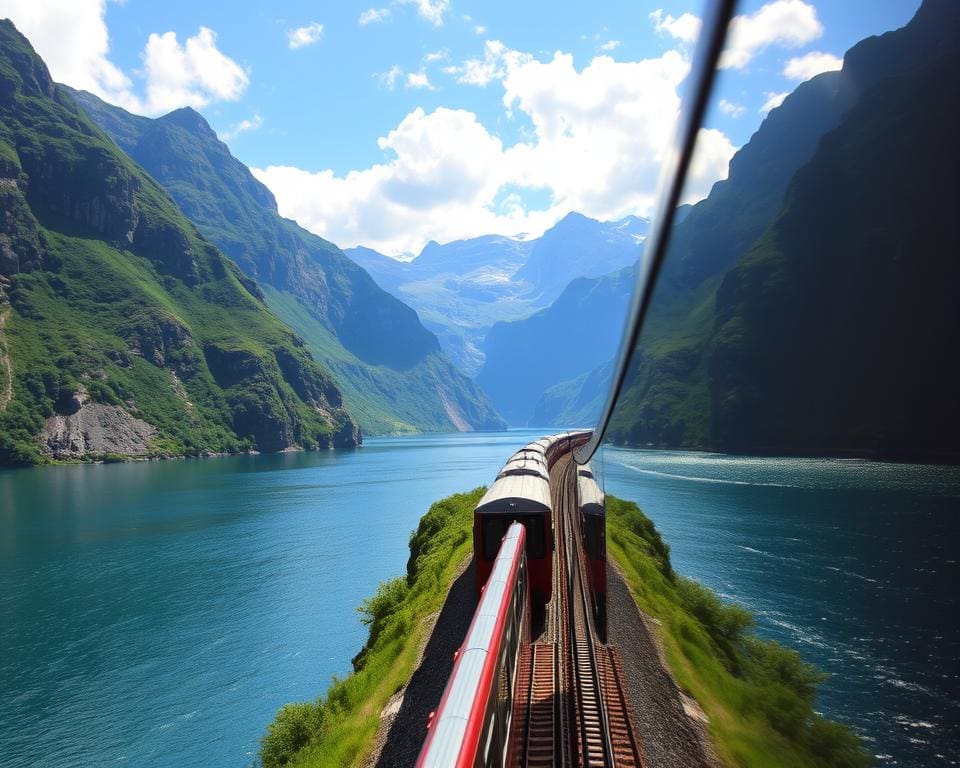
[[685, 28], [731, 109], [73, 40], [419, 80], [811, 65], [610, 45], [389, 78], [373, 16], [773, 101], [596, 145], [785, 23], [244, 126], [496, 61], [303, 36], [431, 10], [192, 74]]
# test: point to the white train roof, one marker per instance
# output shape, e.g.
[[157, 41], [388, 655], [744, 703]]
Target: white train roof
[[524, 466], [450, 725], [516, 493], [529, 453], [589, 496]]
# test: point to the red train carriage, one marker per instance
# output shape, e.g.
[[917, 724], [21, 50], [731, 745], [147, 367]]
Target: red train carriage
[[472, 725], [592, 505], [524, 498]]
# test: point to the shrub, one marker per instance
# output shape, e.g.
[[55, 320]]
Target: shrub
[[291, 730]]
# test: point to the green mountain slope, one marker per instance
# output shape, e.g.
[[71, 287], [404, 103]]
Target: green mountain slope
[[828, 332], [122, 330], [390, 368]]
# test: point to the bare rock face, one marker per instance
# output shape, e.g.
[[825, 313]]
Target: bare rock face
[[95, 428]]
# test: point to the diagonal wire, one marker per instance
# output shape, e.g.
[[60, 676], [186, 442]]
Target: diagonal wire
[[672, 177]]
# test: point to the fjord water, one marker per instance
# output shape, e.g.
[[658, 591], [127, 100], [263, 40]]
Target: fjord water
[[852, 563], [157, 614]]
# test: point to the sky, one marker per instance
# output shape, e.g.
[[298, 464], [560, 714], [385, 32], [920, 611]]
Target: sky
[[403, 121]]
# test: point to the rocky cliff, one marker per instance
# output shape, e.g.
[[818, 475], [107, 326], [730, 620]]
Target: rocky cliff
[[124, 330]]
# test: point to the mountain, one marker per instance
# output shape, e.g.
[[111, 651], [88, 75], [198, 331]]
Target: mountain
[[831, 331], [122, 329], [577, 401], [578, 246], [391, 370], [461, 289], [578, 332]]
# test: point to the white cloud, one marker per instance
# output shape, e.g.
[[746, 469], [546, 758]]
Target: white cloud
[[610, 45], [73, 40], [596, 145], [419, 80], [389, 78], [244, 126], [431, 10], [773, 101], [480, 29], [685, 28], [497, 59], [442, 55], [786, 23], [731, 109], [373, 16], [811, 65], [192, 74], [303, 36]]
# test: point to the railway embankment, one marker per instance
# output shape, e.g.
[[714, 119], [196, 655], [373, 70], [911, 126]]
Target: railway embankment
[[704, 689]]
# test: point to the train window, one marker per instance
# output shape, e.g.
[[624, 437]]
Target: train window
[[536, 535], [494, 528]]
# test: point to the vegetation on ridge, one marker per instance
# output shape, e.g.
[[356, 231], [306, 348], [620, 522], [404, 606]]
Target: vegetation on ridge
[[338, 728], [118, 311], [759, 695]]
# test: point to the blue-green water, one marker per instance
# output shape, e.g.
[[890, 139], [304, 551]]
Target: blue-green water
[[158, 614], [854, 564]]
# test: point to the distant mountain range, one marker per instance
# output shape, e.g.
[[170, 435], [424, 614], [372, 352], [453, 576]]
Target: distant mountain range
[[808, 305], [462, 289], [123, 331], [390, 368]]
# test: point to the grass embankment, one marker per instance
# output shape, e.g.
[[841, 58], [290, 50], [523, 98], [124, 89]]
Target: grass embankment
[[337, 730], [758, 695]]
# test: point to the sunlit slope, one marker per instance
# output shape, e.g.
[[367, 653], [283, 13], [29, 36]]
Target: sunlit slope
[[390, 368], [125, 331]]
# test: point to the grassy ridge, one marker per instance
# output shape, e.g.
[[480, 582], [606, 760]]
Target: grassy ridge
[[757, 694], [337, 729]]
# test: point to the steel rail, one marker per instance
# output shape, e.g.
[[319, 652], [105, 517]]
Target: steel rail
[[672, 177]]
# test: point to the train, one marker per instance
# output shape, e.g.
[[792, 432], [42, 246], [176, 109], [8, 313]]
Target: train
[[471, 727], [521, 493], [591, 505], [513, 555]]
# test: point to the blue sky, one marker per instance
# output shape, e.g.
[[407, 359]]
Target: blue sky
[[439, 119]]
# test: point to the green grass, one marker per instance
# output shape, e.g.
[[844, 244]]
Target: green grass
[[337, 729], [758, 695]]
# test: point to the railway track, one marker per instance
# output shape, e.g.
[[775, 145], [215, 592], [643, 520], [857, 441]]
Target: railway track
[[594, 703]]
